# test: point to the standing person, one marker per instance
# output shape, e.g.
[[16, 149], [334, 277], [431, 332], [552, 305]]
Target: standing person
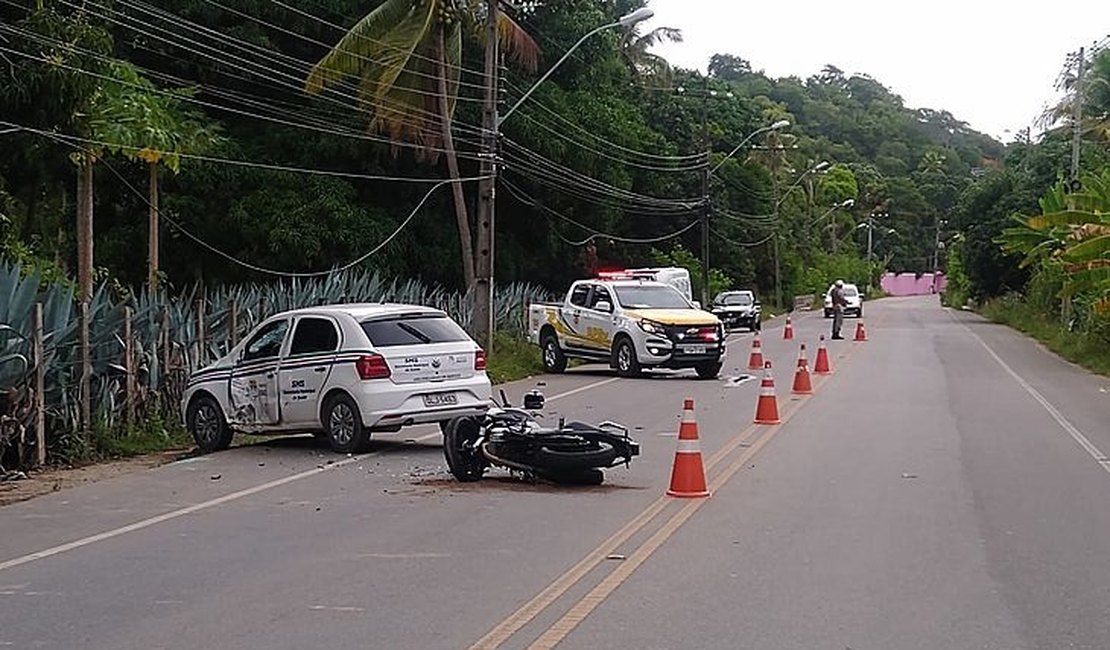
[[839, 302]]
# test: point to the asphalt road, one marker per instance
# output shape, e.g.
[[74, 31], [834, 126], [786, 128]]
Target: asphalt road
[[946, 487]]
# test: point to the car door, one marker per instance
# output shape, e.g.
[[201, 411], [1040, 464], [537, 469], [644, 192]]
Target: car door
[[597, 320], [305, 369], [253, 389], [573, 317]]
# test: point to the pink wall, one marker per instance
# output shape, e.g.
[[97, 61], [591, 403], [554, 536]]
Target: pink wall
[[911, 284]]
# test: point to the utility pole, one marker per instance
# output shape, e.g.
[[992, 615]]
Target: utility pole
[[707, 207], [870, 230], [1077, 120], [483, 324]]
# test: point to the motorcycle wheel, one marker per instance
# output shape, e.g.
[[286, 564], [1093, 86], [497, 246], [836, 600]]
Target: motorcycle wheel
[[570, 458], [466, 464]]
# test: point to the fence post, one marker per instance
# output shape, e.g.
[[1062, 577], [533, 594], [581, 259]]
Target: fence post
[[40, 384], [129, 364], [233, 325], [201, 354], [167, 345], [85, 354]]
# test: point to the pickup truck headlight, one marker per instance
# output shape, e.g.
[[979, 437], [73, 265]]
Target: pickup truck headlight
[[651, 327]]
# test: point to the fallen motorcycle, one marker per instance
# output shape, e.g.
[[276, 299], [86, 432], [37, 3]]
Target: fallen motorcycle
[[513, 438]]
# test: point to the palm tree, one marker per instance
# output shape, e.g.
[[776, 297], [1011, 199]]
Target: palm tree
[[405, 58], [1096, 99], [635, 52]]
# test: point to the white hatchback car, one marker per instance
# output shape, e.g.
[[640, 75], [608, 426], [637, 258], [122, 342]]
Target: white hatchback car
[[851, 295], [341, 372]]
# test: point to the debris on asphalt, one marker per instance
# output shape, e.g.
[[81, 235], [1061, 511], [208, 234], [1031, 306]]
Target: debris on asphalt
[[216, 477], [907, 475], [615, 556]]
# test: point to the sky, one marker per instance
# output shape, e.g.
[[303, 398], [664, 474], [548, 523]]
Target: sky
[[990, 63]]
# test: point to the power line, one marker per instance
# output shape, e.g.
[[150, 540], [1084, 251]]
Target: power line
[[230, 161], [526, 199], [741, 244], [260, 269]]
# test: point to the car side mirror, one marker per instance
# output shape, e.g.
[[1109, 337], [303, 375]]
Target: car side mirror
[[605, 306]]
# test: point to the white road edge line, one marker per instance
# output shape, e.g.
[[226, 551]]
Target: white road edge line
[[227, 498], [1067, 426]]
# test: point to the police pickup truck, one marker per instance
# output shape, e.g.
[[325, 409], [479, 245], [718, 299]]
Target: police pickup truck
[[633, 324]]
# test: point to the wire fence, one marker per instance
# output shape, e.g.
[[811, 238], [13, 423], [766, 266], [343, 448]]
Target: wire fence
[[142, 348]]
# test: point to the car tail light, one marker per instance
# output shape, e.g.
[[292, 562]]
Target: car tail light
[[372, 366], [709, 334], [480, 360]]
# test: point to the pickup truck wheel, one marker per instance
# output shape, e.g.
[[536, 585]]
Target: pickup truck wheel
[[757, 324], [708, 370], [554, 361], [343, 424], [624, 358], [207, 425]]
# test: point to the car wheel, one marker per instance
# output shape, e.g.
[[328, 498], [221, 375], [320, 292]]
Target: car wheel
[[624, 358], [465, 463], [757, 325], [828, 313], [207, 425], [708, 370], [343, 423], [859, 314], [554, 361]]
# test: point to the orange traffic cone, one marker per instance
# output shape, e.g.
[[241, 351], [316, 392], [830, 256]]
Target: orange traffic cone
[[688, 474], [822, 366], [755, 361], [802, 383], [767, 409], [861, 333], [788, 331]]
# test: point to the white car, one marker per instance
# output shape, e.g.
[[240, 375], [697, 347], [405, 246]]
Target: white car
[[341, 372], [851, 295]]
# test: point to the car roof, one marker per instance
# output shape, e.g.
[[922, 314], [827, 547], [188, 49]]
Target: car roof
[[366, 310], [636, 283], [733, 292]]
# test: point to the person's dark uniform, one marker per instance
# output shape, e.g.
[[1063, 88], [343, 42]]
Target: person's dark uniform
[[839, 302]]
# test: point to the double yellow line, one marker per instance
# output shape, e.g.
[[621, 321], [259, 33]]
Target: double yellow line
[[507, 628]]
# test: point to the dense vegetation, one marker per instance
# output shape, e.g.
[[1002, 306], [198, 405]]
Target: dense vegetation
[[227, 81]]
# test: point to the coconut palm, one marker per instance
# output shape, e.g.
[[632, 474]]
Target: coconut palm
[[635, 52], [405, 59]]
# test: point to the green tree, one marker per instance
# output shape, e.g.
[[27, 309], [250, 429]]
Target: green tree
[[405, 57]]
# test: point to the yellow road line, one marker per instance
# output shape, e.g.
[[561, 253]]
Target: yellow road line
[[526, 613]]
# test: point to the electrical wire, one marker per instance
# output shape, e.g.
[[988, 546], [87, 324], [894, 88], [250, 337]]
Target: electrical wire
[[592, 196], [525, 198], [194, 100], [741, 244], [70, 139], [261, 269]]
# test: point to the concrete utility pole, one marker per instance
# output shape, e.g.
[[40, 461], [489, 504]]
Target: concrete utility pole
[[707, 206], [1077, 119], [487, 189]]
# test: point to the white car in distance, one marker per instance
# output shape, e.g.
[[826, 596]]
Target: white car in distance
[[340, 372]]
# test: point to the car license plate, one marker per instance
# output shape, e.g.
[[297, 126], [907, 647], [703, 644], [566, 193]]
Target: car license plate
[[693, 349], [441, 399]]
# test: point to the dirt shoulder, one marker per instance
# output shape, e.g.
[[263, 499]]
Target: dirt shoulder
[[53, 479]]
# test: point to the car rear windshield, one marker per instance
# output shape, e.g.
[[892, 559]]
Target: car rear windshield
[[413, 330], [737, 299]]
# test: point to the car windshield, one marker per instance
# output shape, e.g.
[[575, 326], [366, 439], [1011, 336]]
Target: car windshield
[[850, 291], [650, 297], [410, 330], [735, 300]]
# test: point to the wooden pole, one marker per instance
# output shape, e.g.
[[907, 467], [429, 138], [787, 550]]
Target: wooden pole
[[85, 387], [129, 364], [40, 383], [233, 325], [167, 345], [201, 347]]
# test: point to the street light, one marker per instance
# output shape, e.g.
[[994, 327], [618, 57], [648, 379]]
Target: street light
[[778, 267], [781, 124], [625, 21], [707, 206], [483, 318], [846, 203]]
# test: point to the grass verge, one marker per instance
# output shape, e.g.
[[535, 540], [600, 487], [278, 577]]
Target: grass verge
[[1082, 348], [513, 358]]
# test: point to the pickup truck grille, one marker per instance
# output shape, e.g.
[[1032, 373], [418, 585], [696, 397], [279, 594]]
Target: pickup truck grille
[[689, 333]]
